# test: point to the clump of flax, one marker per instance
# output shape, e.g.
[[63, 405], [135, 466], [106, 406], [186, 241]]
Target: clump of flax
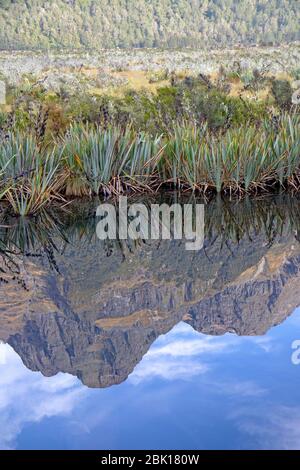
[[104, 116], [41, 125], [7, 126]]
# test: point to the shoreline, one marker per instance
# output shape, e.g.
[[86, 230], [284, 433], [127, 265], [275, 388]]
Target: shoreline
[[91, 161]]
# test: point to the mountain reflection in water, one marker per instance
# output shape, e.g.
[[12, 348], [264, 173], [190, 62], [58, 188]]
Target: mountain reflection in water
[[71, 303]]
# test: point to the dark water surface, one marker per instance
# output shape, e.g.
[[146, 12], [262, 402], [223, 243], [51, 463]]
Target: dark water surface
[[146, 345]]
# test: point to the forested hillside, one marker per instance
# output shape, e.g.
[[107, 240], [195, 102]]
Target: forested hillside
[[146, 23]]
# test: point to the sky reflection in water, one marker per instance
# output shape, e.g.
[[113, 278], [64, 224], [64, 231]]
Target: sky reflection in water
[[190, 391]]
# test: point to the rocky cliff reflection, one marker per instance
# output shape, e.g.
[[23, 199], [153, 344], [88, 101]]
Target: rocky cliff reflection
[[72, 303]]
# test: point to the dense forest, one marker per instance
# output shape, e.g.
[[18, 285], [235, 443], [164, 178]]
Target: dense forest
[[146, 23]]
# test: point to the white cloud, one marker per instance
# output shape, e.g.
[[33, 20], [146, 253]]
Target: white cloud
[[27, 396], [180, 354], [242, 389], [273, 427], [3, 355], [266, 343], [186, 347], [167, 369]]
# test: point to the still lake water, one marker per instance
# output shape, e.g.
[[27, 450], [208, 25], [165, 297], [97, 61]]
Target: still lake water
[[146, 345]]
